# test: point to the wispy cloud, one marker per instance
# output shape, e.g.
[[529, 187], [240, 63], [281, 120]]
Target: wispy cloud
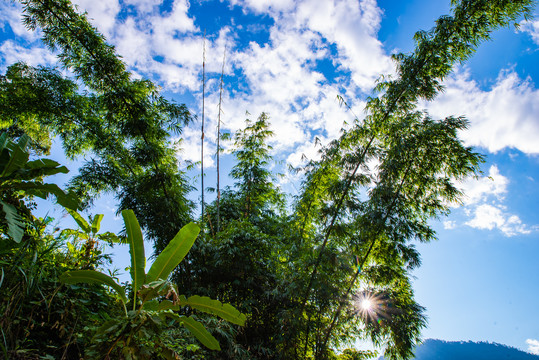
[[533, 346]]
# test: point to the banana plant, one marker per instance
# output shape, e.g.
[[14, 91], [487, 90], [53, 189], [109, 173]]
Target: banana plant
[[18, 175], [155, 301], [88, 233]]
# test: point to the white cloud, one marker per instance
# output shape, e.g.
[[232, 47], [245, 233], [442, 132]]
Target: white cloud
[[10, 15], [532, 28], [352, 26], [265, 6], [34, 56], [102, 14], [533, 346], [483, 204], [279, 76], [282, 76], [506, 116], [143, 6], [449, 225], [480, 190], [489, 217]]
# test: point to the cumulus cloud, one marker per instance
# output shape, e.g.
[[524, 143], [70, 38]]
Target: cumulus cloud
[[352, 26], [10, 16], [532, 28], [280, 75], [265, 6], [102, 14], [505, 116], [494, 185], [34, 56], [283, 78], [533, 346], [489, 217], [484, 205]]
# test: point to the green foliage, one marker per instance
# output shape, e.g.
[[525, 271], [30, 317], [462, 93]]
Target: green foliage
[[124, 124], [136, 252], [254, 185], [297, 277], [20, 178], [171, 256], [39, 316], [137, 334]]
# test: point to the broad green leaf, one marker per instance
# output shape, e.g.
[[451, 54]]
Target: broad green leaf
[[75, 233], [93, 277], [45, 163], [24, 140], [153, 289], [18, 157], [173, 253], [225, 311], [68, 201], [80, 220], [96, 223], [112, 238], [168, 305], [151, 305], [198, 330], [14, 221], [40, 167], [136, 249], [3, 141], [168, 354]]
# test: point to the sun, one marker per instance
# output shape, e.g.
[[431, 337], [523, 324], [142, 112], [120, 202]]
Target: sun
[[366, 304]]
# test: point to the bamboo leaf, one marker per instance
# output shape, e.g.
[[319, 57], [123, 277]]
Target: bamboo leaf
[[96, 223], [136, 249], [173, 253], [83, 224], [225, 311], [93, 277]]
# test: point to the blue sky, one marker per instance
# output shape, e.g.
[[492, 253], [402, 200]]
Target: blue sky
[[480, 281]]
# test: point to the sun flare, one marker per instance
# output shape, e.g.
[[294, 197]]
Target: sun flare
[[366, 304]]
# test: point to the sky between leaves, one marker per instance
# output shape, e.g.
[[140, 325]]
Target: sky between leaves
[[291, 59]]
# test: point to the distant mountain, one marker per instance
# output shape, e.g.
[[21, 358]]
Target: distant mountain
[[468, 350]]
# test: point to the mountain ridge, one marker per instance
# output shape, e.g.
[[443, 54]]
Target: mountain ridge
[[433, 349]]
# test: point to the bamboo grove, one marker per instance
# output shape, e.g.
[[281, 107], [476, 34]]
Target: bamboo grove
[[265, 278]]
